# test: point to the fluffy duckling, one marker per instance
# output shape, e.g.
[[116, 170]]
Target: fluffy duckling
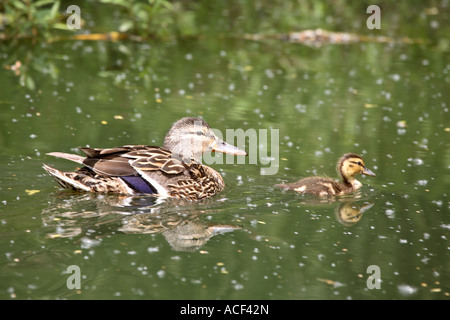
[[348, 166]]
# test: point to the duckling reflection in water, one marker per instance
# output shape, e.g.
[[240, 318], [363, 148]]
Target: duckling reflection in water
[[348, 166], [349, 213]]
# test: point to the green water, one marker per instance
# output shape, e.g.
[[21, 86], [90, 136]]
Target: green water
[[386, 102]]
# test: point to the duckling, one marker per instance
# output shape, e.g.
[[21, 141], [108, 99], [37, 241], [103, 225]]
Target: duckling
[[349, 165]]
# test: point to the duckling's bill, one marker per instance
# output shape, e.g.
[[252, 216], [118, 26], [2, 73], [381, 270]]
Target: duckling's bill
[[368, 172]]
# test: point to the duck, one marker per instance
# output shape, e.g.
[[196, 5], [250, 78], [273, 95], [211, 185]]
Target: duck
[[173, 170], [349, 165]]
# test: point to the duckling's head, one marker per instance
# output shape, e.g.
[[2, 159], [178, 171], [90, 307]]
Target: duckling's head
[[190, 137], [351, 164]]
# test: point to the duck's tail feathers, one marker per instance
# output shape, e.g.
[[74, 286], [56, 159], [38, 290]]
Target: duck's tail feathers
[[65, 179], [68, 156]]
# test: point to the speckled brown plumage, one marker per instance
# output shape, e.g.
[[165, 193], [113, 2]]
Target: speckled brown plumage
[[173, 170]]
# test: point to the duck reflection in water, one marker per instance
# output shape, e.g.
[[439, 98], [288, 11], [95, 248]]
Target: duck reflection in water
[[185, 231], [182, 232]]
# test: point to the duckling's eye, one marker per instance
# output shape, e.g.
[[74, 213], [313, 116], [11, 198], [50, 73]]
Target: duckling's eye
[[199, 133], [359, 163]]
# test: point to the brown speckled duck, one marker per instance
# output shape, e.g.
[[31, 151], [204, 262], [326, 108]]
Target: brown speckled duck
[[173, 170], [348, 166]]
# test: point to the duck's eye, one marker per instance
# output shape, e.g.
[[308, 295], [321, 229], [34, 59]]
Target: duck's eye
[[199, 133], [359, 163]]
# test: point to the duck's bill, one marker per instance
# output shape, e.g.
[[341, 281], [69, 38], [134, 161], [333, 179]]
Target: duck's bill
[[367, 172], [222, 146], [366, 207], [219, 229]]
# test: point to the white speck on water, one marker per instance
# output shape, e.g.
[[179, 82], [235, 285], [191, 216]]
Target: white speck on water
[[390, 213], [300, 108], [161, 273], [87, 243], [269, 73], [152, 249], [338, 284], [422, 182], [238, 286], [401, 131], [434, 24], [406, 290], [445, 226], [416, 161]]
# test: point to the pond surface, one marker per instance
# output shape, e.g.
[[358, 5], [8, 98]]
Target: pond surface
[[387, 102]]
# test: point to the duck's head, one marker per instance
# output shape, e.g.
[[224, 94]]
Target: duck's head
[[351, 164], [190, 137]]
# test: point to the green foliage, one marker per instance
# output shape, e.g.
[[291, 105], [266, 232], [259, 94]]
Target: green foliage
[[143, 18], [26, 18], [172, 19]]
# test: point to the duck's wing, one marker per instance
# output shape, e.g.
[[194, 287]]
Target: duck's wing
[[131, 160], [156, 159]]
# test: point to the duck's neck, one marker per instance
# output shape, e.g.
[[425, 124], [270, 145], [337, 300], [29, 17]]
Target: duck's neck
[[351, 182], [182, 150]]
